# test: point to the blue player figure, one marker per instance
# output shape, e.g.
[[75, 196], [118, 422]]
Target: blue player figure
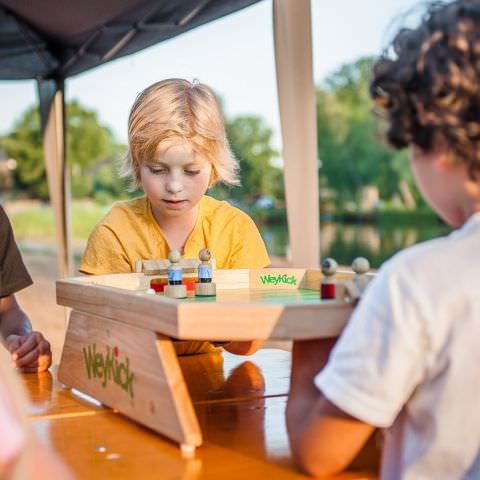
[[205, 287], [175, 288]]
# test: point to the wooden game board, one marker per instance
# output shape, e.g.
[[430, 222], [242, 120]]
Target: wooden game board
[[118, 348]]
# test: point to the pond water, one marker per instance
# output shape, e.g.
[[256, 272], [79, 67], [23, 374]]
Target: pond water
[[344, 242]]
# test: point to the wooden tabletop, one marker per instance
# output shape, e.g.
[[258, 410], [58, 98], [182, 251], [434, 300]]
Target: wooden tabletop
[[240, 403]]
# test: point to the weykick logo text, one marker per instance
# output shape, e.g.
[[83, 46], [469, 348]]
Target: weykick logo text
[[279, 279], [108, 367]]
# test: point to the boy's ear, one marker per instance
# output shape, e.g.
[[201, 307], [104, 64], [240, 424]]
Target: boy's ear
[[442, 155]]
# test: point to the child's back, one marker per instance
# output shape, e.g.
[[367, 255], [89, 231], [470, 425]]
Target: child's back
[[418, 341]]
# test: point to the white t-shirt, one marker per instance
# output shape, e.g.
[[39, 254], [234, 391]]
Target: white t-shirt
[[409, 359]]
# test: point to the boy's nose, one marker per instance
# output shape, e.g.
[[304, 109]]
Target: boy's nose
[[174, 185]]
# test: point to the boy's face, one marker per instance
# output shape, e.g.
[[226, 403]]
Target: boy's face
[[175, 179], [440, 183]]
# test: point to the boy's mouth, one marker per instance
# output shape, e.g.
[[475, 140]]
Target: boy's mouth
[[174, 203]]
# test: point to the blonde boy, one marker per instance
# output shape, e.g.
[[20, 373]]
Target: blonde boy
[[408, 358], [178, 149]]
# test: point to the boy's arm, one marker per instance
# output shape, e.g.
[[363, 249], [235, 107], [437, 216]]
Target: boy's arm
[[30, 351], [323, 438], [13, 320]]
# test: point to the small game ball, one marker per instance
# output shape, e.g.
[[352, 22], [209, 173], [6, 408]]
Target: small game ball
[[329, 266], [360, 265], [151, 291]]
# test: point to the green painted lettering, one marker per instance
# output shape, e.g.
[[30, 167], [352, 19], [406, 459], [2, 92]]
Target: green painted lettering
[[108, 368], [99, 363], [89, 359], [278, 279]]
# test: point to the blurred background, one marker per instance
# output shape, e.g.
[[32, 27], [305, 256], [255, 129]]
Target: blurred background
[[368, 203]]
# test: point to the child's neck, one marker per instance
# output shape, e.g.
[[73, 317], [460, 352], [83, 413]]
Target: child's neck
[[176, 230]]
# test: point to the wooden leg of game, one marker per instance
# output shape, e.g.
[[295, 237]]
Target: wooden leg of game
[[133, 370]]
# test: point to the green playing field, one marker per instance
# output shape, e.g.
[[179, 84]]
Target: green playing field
[[266, 296]]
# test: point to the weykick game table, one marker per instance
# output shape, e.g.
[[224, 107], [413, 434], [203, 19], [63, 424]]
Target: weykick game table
[[119, 348]]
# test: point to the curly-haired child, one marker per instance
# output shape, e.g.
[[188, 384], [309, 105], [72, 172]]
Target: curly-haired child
[[408, 359]]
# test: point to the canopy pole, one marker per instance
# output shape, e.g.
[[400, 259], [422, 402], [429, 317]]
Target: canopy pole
[[297, 104], [52, 108]]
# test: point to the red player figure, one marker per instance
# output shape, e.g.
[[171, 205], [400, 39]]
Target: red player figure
[[327, 287]]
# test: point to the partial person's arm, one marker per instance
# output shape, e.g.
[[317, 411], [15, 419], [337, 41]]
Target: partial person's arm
[[324, 439], [377, 362], [30, 351], [21, 454]]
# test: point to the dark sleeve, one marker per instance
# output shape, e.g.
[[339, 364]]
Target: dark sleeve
[[13, 274]]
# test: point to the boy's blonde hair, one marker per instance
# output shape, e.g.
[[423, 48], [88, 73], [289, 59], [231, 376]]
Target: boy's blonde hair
[[178, 109]]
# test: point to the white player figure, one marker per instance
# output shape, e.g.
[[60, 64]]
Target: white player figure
[[175, 288], [360, 280]]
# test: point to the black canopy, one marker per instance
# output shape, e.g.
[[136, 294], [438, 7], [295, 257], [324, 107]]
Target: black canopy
[[55, 39]]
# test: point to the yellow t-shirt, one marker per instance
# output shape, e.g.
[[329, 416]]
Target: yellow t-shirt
[[129, 232]]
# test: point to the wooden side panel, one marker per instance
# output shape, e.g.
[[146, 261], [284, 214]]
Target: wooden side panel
[[127, 281], [232, 279], [229, 321], [153, 312], [132, 370]]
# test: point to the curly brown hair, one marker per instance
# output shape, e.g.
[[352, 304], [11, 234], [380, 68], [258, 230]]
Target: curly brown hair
[[428, 83]]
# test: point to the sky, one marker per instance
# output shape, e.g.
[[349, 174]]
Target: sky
[[234, 55]]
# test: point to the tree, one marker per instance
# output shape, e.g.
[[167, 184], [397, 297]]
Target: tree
[[24, 144], [349, 149], [250, 140], [88, 144]]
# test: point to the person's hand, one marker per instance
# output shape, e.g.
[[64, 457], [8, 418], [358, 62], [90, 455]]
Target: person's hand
[[30, 353]]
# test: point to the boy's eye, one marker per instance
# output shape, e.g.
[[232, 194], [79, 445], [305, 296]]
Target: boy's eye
[[156, 170], [192, 172]]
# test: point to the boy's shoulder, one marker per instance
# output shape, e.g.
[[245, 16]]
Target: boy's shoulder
[[433, 265], [221, 211], [130, 211]]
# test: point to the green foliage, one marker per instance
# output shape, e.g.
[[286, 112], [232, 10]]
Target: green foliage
[[352, 155], [90, 147], [250, 140], [24, 144]]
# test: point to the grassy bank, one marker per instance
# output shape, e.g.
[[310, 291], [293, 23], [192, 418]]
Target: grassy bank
[[36, 223]]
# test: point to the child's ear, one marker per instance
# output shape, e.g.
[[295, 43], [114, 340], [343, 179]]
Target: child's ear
[[445, 160], [442, 155]]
